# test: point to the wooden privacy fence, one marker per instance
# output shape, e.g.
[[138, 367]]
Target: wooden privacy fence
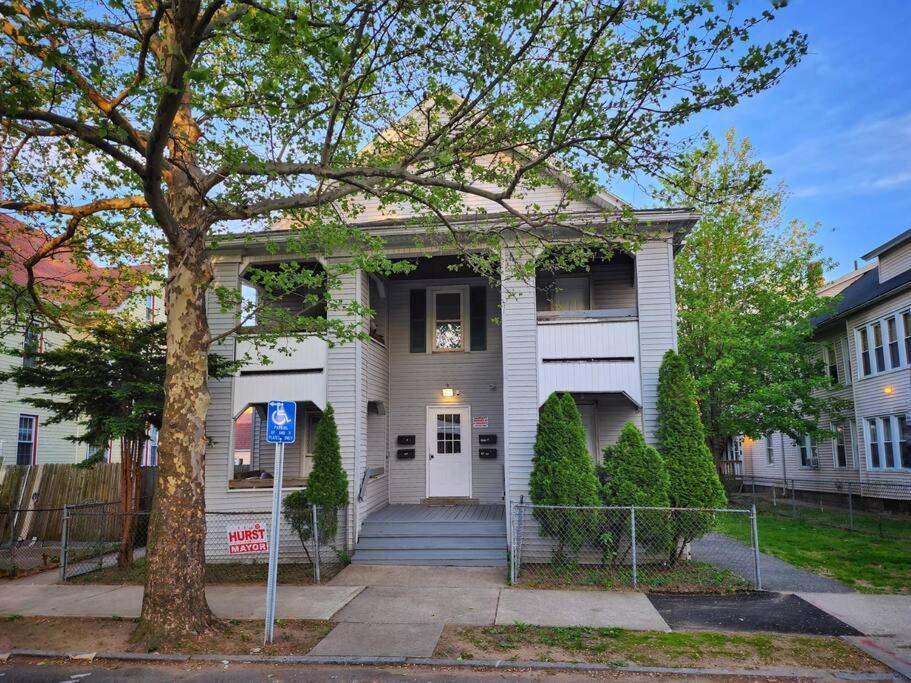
[[32, 496]]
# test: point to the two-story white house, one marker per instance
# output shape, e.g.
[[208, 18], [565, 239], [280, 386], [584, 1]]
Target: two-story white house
[[867, 352], [25, 436], [437, 409]]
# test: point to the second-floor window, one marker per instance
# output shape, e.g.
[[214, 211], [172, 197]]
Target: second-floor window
[[828, 354], [150, 308], [884, 344], [448, 329], [31, 346], [769, 449]]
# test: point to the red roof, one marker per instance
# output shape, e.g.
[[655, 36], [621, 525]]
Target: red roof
[[65, 275], [243, 431]]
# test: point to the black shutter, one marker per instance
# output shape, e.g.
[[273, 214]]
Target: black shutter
[[418, 318], [478, 313]]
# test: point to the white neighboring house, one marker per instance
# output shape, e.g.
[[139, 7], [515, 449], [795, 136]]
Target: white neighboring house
[[867, 351], [440, 404], [25, 438]]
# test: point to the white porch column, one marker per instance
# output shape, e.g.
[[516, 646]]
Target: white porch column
[[346, 391], [657, 320], [520, 376]]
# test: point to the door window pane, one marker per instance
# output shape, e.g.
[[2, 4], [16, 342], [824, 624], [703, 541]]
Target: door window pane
[[449, 433]]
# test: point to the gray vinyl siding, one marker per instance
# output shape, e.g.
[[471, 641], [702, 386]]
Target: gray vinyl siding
[[895, 262], [376, 365], [520, 379], [376, 494], [416, 381], [345, 387], [657, 321], [613, 412]]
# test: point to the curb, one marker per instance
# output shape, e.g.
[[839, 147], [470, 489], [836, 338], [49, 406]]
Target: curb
[[501, 664]]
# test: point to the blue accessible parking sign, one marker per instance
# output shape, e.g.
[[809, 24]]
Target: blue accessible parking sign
[[280, 421]]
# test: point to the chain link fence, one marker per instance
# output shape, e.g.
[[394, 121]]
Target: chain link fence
[[879, 509], [30, 540], [311, 549], [638, 548]]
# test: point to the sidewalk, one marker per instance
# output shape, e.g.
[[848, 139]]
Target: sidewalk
[[401, 611]]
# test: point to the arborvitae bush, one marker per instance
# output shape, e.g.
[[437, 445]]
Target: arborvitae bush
[[563, 474], [694, 481], [634, 474], [327, 485]]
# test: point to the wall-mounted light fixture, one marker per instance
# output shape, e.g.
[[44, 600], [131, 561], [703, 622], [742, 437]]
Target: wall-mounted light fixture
[[449, 392], [888, 390]]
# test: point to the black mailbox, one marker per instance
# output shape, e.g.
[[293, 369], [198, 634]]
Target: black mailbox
[[405, 440], [487, 439], [487, 453], [405, 454]]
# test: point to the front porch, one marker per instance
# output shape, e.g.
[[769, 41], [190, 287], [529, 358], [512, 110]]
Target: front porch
[[454, 535]]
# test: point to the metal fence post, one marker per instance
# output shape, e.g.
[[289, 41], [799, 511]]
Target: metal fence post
[[755, 533], [64, 542], [315, 535], [850, 508], [520, 531], [512, 544], [632, 524]]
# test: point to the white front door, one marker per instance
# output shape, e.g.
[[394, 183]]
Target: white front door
[[448, 451]]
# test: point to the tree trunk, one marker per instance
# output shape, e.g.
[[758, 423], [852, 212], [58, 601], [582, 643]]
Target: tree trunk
[[174, 604], [130, 462]]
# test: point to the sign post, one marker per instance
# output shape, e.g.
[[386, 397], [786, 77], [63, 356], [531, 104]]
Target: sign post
[[281, 418]]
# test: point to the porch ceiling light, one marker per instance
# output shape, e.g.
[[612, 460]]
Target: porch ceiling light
[[448, 392]]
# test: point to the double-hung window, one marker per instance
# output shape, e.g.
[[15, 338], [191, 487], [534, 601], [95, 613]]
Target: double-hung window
[[884, 344], [448, 329], [769, 449], [888, 446], [32, 344], [27, 439], [846, 360], [878, 351], [828, 354], [843, 445], [809, 453]]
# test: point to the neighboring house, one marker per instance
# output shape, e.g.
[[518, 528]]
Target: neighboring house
[[25, 438], [867, 353], [439, 404]]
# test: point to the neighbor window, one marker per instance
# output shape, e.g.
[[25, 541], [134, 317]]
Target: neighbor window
[[887, 443], [846, 359], [906, 324], [152, 459], [26, 440], [828, 354], [878, 351], [809, 455], [150, 308], [892, 331], [448, 322], [864, 337], [843, 445], [31, 346], [769, 449]]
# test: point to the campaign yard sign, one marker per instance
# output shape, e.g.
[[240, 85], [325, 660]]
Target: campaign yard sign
[[246, 539]]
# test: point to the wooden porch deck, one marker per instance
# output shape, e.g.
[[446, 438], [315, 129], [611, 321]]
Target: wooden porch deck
[[439, 513]]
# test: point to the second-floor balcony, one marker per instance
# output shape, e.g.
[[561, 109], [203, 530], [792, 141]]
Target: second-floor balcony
[[294, 371]]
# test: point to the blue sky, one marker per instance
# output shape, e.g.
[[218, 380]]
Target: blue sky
[[837, 129]]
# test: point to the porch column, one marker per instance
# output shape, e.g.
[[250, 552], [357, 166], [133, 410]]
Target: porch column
[[657, 320], [346, 390], [520, 373]]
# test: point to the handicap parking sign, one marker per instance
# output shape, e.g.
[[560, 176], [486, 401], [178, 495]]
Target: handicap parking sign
[[280, 421]]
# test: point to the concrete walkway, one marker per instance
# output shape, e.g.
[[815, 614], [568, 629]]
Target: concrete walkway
[[777, 575]]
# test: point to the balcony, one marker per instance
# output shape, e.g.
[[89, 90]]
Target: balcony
[[590, 352], [298, 375]]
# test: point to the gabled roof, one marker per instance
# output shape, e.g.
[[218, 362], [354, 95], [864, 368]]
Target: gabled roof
[[63, 275], [896, 241], [863, 292]]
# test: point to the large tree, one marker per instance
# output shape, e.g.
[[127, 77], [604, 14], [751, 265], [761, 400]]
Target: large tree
[[171, 118], [747, 294]]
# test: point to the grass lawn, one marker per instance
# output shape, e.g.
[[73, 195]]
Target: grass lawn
[[649, 648], [686, 577], [299, 574], [862, 561]]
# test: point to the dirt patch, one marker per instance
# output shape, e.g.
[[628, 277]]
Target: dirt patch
[[684, 577], [643, 648], [292, 637]]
